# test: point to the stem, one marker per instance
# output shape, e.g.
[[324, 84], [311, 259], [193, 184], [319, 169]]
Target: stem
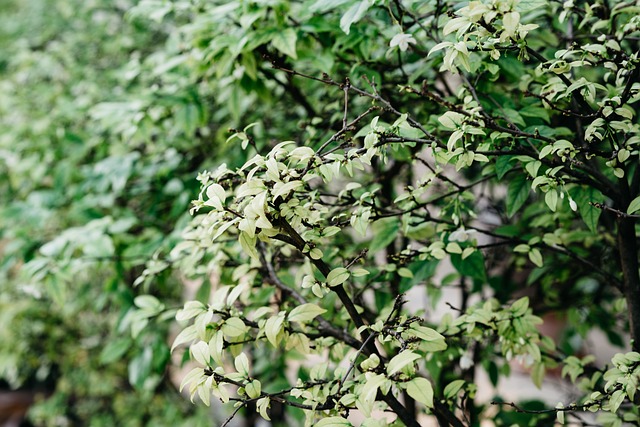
[[628, 247]]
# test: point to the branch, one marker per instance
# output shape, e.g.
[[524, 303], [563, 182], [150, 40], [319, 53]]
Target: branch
[[299, 243], [324, 325], [576, 94], [618, 213]]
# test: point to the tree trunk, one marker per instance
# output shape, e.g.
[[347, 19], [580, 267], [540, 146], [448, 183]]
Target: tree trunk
[[628, 247]]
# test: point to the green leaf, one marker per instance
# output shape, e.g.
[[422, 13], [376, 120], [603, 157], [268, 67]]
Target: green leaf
[[421, 271], [338, 276], [425, 333], [285, 42], [503, 165], [233, 327], [354, 14], [514, 116], [200, 352], [272, 328], [114, 350], [529, 5], [452, 389], [583, 197], [305, 312], [536, 257], [384, 232], [148, 303], [241, 363], [326, 5], [536, 112], [634, 206], [400, 361], [520, 306], [253, 389], [140, 368], [551, 199], [616, 400], [421, 390], [517, 194], [431, 339], [537, 374], [472, 266]]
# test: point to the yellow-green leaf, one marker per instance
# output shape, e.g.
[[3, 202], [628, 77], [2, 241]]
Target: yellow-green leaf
[[421, 390], [338, 276], [305, 312]]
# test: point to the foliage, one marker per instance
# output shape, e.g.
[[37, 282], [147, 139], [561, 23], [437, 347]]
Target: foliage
[[372, 144], [83, 205]]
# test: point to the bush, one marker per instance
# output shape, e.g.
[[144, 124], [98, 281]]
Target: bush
[[378, 152]]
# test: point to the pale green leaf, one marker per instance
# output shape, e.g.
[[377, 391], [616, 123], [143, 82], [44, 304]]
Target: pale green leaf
[[634, 206], [200, 352], [253, 389], [241, 363], [551, 199], [305, 312], [421, 390], [338, 276], [400, 361], [452, 389], [188, 334], [233, 327], [263, 405], [285, 42], [354, 14], [149, 303], [536, 257], [191, 309], [272, 328]]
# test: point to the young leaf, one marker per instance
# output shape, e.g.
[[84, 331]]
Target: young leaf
[[272, 329], [305, 312], [217, 196], [354, 14], [421, 390], [337, 276], [188, 334], [285, 42], [233, 327], [253, 389], [263, 405], [634, 206], [241, 363], [191, 309], [149, 303], [200, 352], [536, 257], [452, 389], [400, 361]]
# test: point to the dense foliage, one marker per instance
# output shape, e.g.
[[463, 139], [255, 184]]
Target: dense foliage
[[350, 156]]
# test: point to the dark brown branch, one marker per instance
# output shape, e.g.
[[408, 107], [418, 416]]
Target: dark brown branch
[[618, 212], [323, 324]]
